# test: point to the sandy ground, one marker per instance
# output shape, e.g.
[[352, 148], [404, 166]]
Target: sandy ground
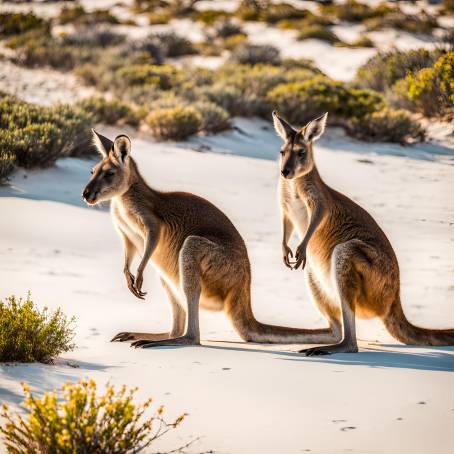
[[241, 397]]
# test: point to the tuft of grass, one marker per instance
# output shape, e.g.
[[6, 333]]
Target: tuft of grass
[[174, 123], [79, 419], [28, 334], [77, 15], [421, 23], [354, 11]]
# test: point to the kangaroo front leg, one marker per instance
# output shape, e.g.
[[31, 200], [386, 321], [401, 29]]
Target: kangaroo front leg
[[287, 230], [190, 283], [150, 245]]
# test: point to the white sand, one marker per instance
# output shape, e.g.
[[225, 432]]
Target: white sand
[[247, 398]]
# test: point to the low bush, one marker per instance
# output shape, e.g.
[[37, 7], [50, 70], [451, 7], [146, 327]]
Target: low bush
[[93, 37], [363, 41], [213, 117], [254, 54], [354, 11], [318, 32], [210, 16], [37, 136], [421, 23], [82, 420], [268, 11], [77, 15], [29, 334], [174, 123], [387, 125], [385, 68], [110, 111], [173, 45], [302, 101], [18, 23], [161, 76], [431, 90], [7, 160], [227, 28]]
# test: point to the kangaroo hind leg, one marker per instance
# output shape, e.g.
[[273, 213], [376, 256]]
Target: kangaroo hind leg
[[345, 262], [192, 256]]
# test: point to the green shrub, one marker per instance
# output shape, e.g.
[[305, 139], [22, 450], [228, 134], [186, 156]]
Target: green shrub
[[109, 111], [269, 12], [210, 16], [227, 28], [299, 102], [382, 70], [18, 23], [353, 11], [28, 334], [93, 37], [146, 75], [318, 32], [36, 136], [77, 15], [363, 41], [174, 123], [387, 125], [173, 45], [421, 23], [81, 420], [213, 117], [254, 54], [431, 90]]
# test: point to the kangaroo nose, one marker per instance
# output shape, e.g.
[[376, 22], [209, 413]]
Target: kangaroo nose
[[86, 194], [285, 172]]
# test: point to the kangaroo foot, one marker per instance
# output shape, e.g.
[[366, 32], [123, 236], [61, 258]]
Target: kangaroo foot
[[125, 336], [342, 347], [183, 340]]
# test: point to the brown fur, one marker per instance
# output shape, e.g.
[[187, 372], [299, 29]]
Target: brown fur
[[200, 255], [351, 266]]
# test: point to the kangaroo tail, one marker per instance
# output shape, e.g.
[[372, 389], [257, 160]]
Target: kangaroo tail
[[238, 309], [399, 327]]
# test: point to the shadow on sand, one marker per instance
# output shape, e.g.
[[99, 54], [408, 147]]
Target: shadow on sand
[[407, 357]]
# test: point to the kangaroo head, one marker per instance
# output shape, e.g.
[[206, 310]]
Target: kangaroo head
[[297, 154], [110, 176]]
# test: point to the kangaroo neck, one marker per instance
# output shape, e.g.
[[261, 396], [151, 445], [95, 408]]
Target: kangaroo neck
[[310, 187]]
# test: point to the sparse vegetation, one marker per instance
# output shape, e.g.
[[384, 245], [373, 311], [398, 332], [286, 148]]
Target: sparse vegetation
[[174, 123], [93, 37], [421, 23], [354, 11], [29, 334], [77, 15], [79, 419]]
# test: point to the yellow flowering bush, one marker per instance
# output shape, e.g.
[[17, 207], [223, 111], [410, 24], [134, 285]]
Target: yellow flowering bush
[[83, 421]]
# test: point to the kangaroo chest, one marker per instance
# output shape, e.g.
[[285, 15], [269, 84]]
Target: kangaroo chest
[[295, 209], [128, 224]]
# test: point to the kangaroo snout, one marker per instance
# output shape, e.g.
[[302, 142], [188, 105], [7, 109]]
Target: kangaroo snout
[[285, 172], [89, 196]]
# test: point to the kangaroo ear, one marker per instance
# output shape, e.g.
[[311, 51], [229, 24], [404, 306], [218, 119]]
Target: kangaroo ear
[[122, 148], [315, 128], [102, 144], [283, 129]]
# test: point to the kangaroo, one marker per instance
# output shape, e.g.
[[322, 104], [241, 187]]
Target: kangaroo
[[201, 258], [351, 268]]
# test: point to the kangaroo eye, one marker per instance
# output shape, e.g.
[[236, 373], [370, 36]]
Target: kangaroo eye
[[110, 173], [302, 152], [282, 152]]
